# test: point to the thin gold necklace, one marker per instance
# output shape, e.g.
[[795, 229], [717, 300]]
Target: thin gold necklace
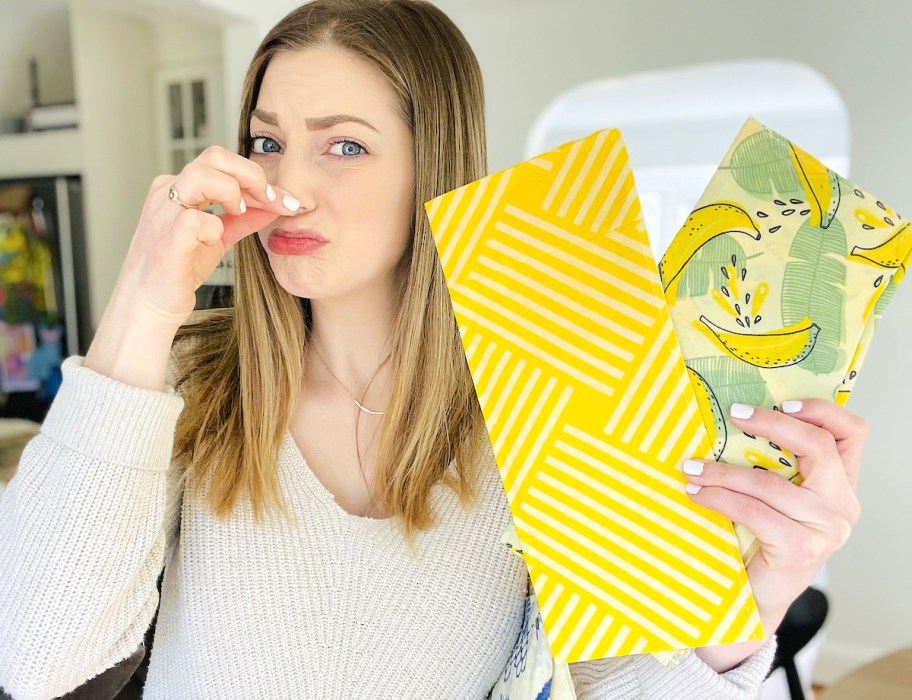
[[339, 381]]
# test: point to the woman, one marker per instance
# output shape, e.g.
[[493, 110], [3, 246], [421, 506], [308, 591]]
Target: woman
[[335, 393]]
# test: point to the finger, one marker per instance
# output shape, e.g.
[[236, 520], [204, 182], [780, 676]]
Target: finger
[[251, 179], [777, 532], [792, 501], [199, 184], [818, 459], [238, 227], [849, 430], [193, 227]]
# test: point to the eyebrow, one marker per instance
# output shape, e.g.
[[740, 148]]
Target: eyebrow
[[314, 123]]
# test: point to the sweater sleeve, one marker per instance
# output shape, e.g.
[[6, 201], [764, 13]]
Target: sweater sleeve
[[84, 527], [642, 676]]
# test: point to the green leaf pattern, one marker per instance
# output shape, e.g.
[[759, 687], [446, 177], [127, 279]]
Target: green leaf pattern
[[731, 380], [885, 298], [814, 286], [761, 165], [704, 271]]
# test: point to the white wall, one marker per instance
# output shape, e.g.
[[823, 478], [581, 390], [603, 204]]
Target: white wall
[[179, 40], [113, 54], [34, 30]]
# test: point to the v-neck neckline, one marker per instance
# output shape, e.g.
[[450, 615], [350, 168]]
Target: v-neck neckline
[[317, 488]]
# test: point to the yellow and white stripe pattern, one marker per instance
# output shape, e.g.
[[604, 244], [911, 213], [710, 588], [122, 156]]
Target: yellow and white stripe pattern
[[588, 405]]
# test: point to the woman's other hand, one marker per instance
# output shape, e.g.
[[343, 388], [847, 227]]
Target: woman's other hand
[[798, 527]]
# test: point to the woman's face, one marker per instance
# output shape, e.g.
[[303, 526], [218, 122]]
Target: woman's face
[[354, 179]]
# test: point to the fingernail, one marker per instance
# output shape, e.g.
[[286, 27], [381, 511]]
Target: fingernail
[[791, 406], [243, 207], [270, 193], [740, 410], [692, 488], [693, 466], [291, 203]]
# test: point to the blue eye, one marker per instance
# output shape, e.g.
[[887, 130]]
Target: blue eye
[[264, 144], [349, 149]]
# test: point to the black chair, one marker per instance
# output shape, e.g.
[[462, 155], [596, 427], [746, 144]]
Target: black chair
[[803, 620]]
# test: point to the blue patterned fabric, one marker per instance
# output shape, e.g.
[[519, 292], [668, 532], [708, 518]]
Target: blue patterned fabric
[[528, 673]]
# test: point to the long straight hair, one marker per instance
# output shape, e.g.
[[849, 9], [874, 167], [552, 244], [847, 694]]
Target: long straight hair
[[240, 369]]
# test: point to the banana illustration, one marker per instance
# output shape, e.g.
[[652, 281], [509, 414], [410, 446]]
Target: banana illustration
[[781, 348], [820, 184], [709, 406], [892, 253], [869, 220], [761, 461], [702, 225], [758, 459]]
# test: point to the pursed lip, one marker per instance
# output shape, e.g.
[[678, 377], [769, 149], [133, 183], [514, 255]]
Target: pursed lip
[[298, 233]]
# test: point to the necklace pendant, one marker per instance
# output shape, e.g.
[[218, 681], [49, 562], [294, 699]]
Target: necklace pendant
[[367, 410]]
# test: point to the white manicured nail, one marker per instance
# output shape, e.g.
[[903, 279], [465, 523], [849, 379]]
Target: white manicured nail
[[692, 488], [243, 207], [270, 193], [740, 410], [791, 406], [693, 466], [291, 203]]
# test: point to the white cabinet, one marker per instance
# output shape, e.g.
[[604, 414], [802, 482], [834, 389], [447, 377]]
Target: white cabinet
[[188, 101]]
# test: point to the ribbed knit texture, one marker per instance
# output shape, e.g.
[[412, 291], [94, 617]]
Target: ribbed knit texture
[[329, 606], [644, 678]]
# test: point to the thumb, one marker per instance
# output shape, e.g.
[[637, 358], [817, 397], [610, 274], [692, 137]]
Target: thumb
[[238, 227]]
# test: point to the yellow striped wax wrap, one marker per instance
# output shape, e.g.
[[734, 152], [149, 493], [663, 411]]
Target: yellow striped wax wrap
[[588, 406], [775, 283]]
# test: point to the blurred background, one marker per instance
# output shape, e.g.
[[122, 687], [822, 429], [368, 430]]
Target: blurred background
[[97, 97]]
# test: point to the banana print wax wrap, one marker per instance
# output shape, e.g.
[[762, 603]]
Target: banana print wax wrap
[[589, 406], [775, 284]]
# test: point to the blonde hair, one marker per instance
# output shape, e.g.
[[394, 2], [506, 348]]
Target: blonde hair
[[240, 369]]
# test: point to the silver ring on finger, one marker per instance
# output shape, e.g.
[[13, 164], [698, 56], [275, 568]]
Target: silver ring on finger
[[174, 196]]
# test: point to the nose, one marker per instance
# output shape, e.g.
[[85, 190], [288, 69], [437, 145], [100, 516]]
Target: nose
[[299, 177]]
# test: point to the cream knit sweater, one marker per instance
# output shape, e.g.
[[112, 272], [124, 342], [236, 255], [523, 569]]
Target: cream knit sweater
[[332, 606]]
